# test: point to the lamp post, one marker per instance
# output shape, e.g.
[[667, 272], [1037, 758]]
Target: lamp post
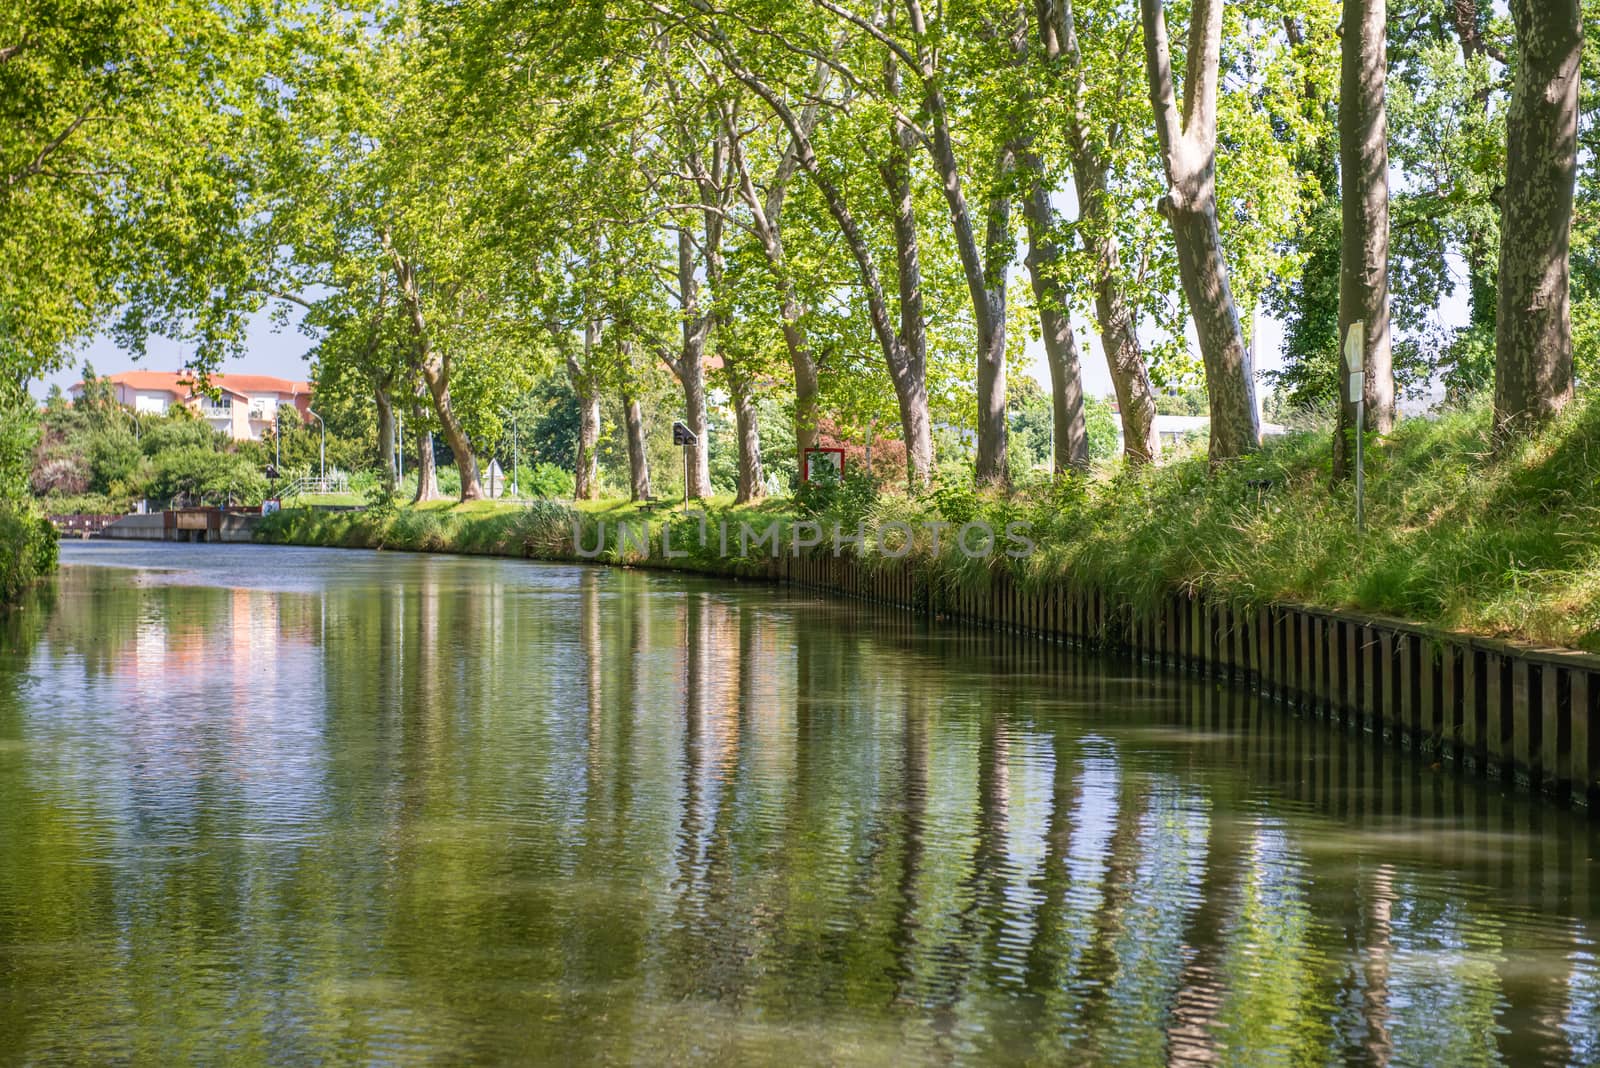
[[322, 451], [399, 451]]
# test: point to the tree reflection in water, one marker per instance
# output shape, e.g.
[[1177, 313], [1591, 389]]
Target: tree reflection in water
[[296, 804]]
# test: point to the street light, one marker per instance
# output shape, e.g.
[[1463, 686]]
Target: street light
[[322, 451]]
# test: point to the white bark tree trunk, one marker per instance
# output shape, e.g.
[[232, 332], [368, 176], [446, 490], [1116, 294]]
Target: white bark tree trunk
[[1188, 152], [638, 459], [1071, 452]]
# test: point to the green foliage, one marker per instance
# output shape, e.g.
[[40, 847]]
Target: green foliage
[[1100, 422], [550, 481], [553, 437], [27, 547], [116, 463], [27, 541], [1187, 402], [198, 475], [1457, 536], [179, 432]]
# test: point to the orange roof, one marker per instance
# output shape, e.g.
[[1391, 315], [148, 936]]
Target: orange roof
[[181, 383]]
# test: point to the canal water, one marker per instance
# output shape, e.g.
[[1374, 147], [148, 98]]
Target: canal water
[[274, 805]]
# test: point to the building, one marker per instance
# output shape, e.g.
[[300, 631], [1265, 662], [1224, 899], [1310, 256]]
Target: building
[[242, 407]]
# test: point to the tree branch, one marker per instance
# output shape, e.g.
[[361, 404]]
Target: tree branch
[[49, 149]]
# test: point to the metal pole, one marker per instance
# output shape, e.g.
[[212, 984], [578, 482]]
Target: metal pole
[[399, 451], [516, 461], [1356, 376], [1361, 481]]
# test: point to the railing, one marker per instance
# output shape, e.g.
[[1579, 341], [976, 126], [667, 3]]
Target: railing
[[310, 486], [81, 523]]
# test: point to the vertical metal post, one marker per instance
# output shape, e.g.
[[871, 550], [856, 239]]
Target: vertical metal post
[[516, 487], [1361, 473], [1355, 364]]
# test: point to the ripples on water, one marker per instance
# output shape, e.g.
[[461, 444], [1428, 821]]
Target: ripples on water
[[281, 805]]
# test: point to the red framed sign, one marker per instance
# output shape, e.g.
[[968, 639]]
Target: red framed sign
[[820, 460]]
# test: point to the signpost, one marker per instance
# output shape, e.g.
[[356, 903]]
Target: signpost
[[684, 437], [1354, 361]]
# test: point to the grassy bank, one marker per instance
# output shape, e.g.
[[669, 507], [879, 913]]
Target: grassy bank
[[1456, 536]]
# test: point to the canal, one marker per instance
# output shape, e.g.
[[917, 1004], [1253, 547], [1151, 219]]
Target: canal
[[276, 805]]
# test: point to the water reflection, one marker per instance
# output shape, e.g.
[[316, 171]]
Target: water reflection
[[295, 804]]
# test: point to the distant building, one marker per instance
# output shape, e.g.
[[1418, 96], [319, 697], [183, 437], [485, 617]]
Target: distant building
[[244, 406], [1173, 430]]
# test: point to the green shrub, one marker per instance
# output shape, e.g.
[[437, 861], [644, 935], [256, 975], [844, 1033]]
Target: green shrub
[[550, 482], [27, 547], [116, 463]]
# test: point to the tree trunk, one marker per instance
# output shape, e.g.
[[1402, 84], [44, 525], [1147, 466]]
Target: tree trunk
[[586, 470], [638, 460], [1188, 150], [1130, 379], [1364, 193], [380, 394], [1119, 338], [905, 357], [1533, 339], [984, 269], [436, 373], [993, 463], [694, 397], [1060, 346], [435, 370], [807, 406], [427, 473], [586, 480], [689, 367], [766, 214], [751, 487], [908, 365]]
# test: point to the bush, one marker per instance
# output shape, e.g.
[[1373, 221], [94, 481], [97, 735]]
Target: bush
[[27, 547], [179, 432], [551, 482], [194, 473], [116, 463], [60, 474]]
